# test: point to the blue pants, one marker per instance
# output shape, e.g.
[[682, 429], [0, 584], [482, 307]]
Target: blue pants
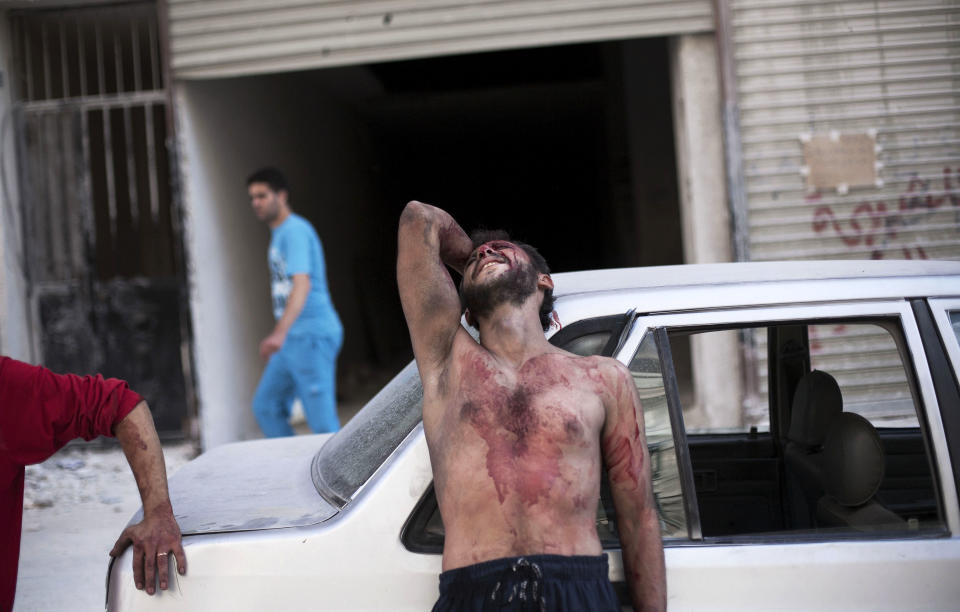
[[305, 368], [541, 583]]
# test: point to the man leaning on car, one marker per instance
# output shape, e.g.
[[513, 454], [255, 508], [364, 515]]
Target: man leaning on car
[[39, 413], [516, 430]]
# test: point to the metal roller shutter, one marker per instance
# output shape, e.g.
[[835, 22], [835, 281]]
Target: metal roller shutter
[[885, 67], [220, 38], [889, 67]]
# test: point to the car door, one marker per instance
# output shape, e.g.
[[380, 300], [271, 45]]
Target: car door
[[944, 345], [743, 522]]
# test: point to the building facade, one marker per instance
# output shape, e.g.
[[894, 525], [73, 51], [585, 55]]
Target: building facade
[[656, 132]]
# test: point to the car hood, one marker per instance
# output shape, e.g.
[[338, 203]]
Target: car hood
[[246, 486]]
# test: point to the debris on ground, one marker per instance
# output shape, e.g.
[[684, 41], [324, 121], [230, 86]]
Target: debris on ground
[[90, 474]]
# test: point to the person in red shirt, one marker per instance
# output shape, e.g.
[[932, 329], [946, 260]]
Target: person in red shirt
[[39, 413]]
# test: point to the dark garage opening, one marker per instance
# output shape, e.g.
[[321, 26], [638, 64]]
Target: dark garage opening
[[569, 148], [538, 141]]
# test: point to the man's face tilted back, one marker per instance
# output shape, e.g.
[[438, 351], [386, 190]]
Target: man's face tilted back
[[266, 202], [497, 272]]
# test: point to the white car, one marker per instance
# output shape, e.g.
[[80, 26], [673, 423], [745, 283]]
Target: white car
[[804, 426]]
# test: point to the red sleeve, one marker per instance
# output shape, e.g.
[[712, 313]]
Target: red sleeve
[[41, 411]]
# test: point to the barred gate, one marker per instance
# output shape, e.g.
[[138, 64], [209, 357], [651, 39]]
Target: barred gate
[[101, 240]]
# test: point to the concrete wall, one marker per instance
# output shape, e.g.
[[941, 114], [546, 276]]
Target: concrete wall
[[15, 336], [705, 217], [698, 133], [299, 122]]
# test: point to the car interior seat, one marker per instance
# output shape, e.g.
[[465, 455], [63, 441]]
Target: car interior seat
[[816, 402], [853, 469]]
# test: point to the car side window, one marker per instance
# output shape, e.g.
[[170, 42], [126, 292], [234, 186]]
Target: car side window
[[864, 358], [589, 344], [645, 367], [946, 317], [819, 436]]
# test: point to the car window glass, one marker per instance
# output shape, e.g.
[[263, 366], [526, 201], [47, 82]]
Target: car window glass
[[355, 452], [588, 344], [648, 378], [955, 323], [848, 455], [864, 359], [732, 404]]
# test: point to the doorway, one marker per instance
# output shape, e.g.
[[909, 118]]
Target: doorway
[[564, 147], [537, 141]]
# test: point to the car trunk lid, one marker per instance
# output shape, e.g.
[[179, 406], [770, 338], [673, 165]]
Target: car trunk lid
[[246, 486]]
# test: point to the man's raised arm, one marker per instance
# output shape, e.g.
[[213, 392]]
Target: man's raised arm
[[625, 454], [427, 239]]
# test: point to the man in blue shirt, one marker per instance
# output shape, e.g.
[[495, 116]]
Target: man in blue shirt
[[302, 348]]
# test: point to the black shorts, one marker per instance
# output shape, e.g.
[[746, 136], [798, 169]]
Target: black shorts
[[534, 582]]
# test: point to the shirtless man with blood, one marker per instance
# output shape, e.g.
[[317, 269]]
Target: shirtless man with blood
[[517, 429]]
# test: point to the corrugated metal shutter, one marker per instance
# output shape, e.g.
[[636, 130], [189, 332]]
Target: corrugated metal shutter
[[866, 363], [853, 66], [219, 38]]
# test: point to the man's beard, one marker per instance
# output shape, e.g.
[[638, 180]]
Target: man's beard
[[514, 286]]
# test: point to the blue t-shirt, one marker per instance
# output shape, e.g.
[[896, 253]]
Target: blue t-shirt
[[295, 249]]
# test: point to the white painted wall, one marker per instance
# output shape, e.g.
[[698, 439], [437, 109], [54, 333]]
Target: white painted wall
[[15, 336], [698, 133], [705, 218], [226, 129]]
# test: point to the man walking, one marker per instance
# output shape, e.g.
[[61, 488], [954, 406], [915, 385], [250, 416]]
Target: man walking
[[301, 351], [517, 429]]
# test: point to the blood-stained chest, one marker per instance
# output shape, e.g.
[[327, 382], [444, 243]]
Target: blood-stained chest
[[530, 428]]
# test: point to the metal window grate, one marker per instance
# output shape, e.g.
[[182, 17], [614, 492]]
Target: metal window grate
[[85, 52], [92, 125]]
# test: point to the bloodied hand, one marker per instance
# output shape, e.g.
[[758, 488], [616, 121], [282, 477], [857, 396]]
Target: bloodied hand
[[157, 536], [154, 540]]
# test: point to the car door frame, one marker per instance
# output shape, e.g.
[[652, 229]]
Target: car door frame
[[841, 310], [743, 572], [943, 348], [940, 309]]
